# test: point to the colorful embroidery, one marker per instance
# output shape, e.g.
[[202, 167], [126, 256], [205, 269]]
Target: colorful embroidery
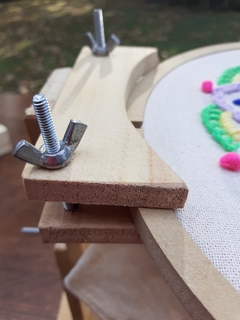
[[207, 86], [228, 125], [211, 119], [237, 101], [219, 96], [217, 117], [230, 161], [228, 76]]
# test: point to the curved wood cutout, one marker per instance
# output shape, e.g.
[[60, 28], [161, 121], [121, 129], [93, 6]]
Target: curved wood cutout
[[113, 165], [202, 290]]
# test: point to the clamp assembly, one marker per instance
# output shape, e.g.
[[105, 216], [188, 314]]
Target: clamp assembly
[[54, 154]]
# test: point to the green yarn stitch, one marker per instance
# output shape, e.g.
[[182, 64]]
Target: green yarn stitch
[[211, 120], [211, 116], [228, 75]]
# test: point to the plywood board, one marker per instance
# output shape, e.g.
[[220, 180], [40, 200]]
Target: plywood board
[[89, 224], [113, 165]]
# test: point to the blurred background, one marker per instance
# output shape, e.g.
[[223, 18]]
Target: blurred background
[[40, 35]]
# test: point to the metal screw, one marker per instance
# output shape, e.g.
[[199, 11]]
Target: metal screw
[[99, 47], [70, 206], [54, 154], [99, 27], [45, 122]]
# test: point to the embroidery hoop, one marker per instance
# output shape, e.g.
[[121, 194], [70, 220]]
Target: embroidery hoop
[[207, 291]]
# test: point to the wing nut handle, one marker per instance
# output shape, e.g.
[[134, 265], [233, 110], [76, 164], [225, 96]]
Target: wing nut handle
[[25, 151]]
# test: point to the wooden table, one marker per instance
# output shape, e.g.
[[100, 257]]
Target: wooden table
[[203, 292]]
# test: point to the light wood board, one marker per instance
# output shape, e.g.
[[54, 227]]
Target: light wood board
[[64, 312], [113, 165], [89, 224]]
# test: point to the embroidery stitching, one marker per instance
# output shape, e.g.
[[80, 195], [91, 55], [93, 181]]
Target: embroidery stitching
[[217, 117]]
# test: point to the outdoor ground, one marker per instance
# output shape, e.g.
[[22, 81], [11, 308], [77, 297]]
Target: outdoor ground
[[39, 35]]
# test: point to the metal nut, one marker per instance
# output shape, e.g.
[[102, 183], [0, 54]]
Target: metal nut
[[54, 154]]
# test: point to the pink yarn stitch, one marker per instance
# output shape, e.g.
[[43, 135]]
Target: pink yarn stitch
[[207, 86], [230, 161]]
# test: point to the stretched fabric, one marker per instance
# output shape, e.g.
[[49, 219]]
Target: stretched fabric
[[172, 126]]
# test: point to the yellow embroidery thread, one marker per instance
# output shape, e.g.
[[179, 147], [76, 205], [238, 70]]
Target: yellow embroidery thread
[[228, 125]]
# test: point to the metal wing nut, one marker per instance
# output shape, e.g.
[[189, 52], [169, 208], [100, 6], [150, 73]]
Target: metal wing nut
[[25, 151]]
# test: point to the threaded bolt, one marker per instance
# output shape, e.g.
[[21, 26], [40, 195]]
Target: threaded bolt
[[99, 47], [46, 125], [99, 27]]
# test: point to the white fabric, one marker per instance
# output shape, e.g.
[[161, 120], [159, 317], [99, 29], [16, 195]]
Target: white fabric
[[172, 126]]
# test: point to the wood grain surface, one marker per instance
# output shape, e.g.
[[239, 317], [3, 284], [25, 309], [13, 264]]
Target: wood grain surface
[[89, 224], [113, 165], [64, 312]]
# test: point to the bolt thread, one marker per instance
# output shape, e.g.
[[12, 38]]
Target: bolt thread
[[46, 125], [99, 28]]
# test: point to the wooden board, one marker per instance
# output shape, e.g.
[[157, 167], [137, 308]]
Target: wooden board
[[202, 290], [56, 225], [113, 165], [90, 224]]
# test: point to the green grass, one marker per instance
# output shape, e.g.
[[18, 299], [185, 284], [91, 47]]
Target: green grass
[[37, 36]]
